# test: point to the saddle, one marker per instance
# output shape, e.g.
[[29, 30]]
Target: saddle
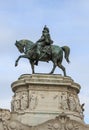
[[46, 50], [43, 52]]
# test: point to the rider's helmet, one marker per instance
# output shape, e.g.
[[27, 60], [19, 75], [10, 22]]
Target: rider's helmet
[[45, 29]]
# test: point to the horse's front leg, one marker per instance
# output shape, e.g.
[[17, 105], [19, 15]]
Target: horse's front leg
[[21, 56], [32, 66], [16, 62]]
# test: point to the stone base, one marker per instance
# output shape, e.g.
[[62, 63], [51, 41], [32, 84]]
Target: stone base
[[41, 97], [42, 101], [61, 122]]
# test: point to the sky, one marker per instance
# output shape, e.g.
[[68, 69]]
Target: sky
[[68, 22]]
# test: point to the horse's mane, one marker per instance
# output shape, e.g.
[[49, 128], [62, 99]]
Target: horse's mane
[[23, 41]]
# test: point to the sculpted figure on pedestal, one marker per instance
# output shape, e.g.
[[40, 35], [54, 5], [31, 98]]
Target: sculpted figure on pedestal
[[71, 102], [64, 101], [82, 107], [17, 102], [32, 100], [24, 100], [59, 100], [78, 106]]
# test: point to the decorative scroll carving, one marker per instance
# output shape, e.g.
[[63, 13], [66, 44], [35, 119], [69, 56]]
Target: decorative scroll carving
[[4, 118], [61, 122]]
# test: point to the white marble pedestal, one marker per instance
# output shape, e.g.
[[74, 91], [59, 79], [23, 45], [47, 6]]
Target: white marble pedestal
[[40, 97], [44, 102]]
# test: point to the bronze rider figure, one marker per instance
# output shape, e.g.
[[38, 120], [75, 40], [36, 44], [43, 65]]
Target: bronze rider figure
[[45, 40]]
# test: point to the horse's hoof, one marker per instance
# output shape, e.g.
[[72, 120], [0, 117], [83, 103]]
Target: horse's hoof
[[51, 73], [16, 64], [65, 75]]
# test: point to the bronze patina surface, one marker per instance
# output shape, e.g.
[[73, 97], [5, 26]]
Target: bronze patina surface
[[43, 50]]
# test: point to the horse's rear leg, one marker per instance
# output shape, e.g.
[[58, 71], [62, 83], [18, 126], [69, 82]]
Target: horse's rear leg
[[63, 68], [32, 66], [54, 66]]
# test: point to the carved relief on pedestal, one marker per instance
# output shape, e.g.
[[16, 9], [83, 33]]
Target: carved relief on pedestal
[[59, 123], [71, 125], [19, 101], [33, 101], [12, 103], [64, 101], [4, 118], [59, 100], [24, 100], [71, 102], [78, 106], [5, 114]]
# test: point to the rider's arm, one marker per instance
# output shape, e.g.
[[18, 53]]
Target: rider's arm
[[41, 39]]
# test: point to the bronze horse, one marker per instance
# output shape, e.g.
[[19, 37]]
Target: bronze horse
[[30, 52]]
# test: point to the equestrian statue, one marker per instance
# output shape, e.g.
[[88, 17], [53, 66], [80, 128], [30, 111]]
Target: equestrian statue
[[43, 50]]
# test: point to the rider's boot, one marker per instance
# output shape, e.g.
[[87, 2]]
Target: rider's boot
[[36, 62]]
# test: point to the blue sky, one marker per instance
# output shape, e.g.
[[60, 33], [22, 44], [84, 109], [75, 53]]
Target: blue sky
[[68, 21]]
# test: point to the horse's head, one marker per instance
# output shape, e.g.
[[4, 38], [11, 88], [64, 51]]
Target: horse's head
[[20, 46]]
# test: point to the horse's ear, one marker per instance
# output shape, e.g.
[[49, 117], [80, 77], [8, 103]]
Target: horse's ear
[[16, 42]]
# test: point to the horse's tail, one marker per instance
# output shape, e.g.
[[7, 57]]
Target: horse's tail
[[66, 50]]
